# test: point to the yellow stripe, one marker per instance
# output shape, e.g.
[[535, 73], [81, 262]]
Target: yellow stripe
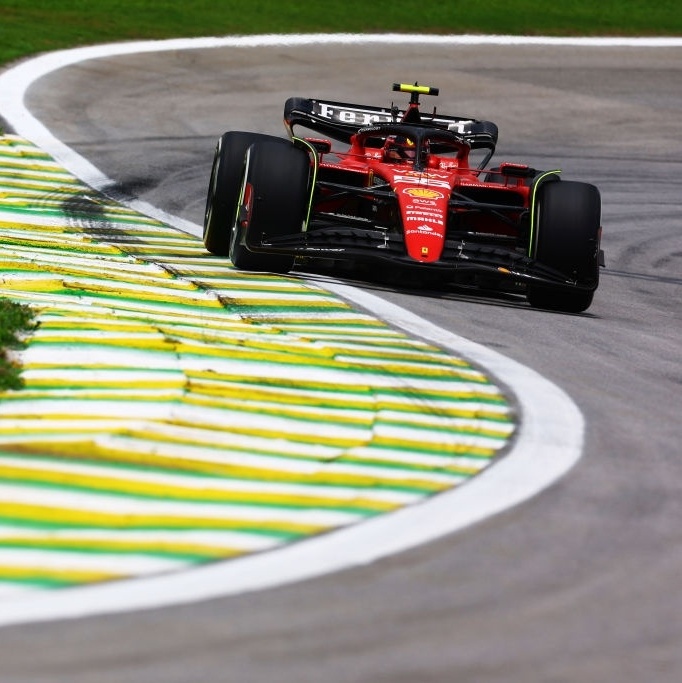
[[39, 514], [115, 274], [89, 452], [179, 492], [141, 547], [42, 574]]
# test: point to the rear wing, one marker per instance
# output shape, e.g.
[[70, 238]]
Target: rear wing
[[340, 120]]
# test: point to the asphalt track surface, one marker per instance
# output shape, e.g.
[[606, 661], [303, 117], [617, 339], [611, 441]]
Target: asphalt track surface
[[581, 582]]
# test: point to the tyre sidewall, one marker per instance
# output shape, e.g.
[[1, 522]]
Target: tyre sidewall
[[224, 187], [278, 175]]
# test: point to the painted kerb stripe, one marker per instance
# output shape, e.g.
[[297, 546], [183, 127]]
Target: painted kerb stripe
[[177, 411]]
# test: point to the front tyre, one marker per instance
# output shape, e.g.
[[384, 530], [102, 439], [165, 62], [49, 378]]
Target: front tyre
[[273, 203], [223, 188], [567, 240]]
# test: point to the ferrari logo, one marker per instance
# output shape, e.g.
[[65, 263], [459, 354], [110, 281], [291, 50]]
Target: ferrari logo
[[425, 251]]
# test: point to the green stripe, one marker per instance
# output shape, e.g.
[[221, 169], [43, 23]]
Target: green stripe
[[193, 524], [41, 581], [218, 474], [189, 496], [101, 548]]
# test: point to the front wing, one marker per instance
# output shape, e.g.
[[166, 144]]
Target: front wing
[[348, 242]]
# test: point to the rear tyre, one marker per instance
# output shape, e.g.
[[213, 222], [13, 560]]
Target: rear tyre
[[567, 240], [273, 203], [223, 188]]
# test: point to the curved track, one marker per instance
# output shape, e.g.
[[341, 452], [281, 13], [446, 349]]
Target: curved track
[[581, 583]]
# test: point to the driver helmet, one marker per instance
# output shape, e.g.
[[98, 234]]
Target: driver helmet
[[398, 148]]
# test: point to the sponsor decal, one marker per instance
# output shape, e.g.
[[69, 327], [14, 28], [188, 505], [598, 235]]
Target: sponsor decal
[[430, 175], [423, 193], [423, 212], [420, 179], [461, 127], [325, 249], [434, 220], [355, 116], [423, 231]]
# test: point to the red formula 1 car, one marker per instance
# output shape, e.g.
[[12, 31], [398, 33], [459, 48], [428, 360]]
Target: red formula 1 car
[[401, 187]]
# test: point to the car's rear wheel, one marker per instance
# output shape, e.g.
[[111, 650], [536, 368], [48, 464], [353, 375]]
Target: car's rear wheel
[[223, 188], [273, 202], [567, 239]]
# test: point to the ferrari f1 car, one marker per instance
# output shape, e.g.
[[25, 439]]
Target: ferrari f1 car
[[400, 186]]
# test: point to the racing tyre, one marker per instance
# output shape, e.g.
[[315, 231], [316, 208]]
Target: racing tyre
[[272, 203], [223, 189], [567, 239]]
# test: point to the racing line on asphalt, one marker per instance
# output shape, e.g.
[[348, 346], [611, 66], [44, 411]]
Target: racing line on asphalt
[[162, 351]]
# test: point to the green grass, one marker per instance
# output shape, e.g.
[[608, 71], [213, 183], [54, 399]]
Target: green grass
[[30, 26], [14, 320]]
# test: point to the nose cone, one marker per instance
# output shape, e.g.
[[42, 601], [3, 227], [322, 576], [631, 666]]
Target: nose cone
[[424, 242], [424, 213]]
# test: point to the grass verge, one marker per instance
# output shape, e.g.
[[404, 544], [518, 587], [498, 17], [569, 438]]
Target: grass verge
[[43, 25], [15, 320]]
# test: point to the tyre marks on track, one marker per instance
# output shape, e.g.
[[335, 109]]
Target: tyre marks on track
[[178, 412]]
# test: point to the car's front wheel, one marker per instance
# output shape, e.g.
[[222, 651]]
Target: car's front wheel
[[567, 234], [273, 203], [223, 188]]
